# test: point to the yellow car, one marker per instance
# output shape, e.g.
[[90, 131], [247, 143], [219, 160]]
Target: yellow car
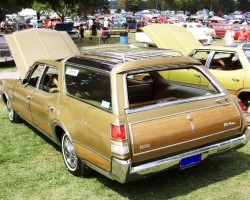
[[112, 109], [229, 64]]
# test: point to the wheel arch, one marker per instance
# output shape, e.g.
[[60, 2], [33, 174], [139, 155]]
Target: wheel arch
[[4, 98], [244, 95], [58, 132]]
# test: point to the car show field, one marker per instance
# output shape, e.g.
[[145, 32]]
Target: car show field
[[31, 168]]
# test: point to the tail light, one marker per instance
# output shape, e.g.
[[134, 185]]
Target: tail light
[[242, 106], [119, 143], [118, 132]]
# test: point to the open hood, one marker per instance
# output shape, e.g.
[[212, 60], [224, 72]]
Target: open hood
[[172, 37], [64, 26], [30, 45]]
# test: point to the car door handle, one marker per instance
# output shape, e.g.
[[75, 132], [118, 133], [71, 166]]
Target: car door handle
[[235, 79], [51, 108], [197, 75]]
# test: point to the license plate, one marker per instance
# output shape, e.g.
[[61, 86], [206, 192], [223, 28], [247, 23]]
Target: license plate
[[190, 161]]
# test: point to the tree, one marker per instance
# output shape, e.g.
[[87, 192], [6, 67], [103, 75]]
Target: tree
[[91, 7], [62, 8], [243, 5], [71, 8], [13, 6], [41, 8], [131, 5]]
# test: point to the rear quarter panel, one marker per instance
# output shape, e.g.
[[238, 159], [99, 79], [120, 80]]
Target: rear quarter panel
[[89, 129]]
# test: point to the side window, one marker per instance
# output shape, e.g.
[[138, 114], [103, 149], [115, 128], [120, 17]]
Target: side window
[[201, 56], [225, 61], [49, 80], [247, 54], [34, 75], [91, 86]]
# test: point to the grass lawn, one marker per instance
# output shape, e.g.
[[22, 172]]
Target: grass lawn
[[32, 168]]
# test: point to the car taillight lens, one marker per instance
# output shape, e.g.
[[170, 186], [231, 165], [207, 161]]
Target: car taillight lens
[[118, 132], [119, 143], [242, 106]]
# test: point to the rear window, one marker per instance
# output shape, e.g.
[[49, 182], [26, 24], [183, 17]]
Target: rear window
[[90, 86], [167, 86]]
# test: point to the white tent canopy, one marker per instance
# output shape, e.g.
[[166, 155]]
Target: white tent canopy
[[27, 12]]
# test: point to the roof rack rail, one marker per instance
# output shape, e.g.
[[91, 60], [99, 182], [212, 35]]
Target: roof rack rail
[[123, 53]]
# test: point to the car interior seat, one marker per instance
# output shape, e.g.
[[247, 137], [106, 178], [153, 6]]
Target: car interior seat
[[53, 83]]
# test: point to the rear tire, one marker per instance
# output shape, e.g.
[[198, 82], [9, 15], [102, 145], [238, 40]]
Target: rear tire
[[13, 116], [71, 160]]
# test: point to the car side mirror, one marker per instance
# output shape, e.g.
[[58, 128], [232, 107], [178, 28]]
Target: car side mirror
[[24, 81]]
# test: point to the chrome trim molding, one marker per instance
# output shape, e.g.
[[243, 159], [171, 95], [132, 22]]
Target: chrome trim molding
[[122, 170], [179, 113], [175, 102]]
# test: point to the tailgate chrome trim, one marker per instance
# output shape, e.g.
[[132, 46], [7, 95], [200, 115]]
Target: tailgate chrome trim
[[123, 171]]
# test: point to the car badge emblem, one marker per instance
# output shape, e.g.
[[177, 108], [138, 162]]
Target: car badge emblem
[[190, 118]]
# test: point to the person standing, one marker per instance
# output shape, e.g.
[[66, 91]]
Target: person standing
[[90, 23], [81, 32], [94, 32], [104, 35], [2, 26], [229, 36], [106, 23], [243, 35]]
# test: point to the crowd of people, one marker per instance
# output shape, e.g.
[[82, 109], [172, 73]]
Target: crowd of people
[[243, 37], [93, 25]]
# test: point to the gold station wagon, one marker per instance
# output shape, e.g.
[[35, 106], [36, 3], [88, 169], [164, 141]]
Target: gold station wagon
[[111, 109]]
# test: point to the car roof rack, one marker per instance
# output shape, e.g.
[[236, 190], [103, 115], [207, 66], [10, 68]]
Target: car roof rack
[[124, 53]]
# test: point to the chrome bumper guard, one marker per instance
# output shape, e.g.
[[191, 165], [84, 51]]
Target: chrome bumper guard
[[122, 171]]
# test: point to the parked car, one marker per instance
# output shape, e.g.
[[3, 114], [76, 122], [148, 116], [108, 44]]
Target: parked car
[[68, 27], [201, 32], [142, 37], [194, 26], [131, 22], [115, 110], [197, 34], [221, 28], [5, 54], [51, 23], [230, 64]]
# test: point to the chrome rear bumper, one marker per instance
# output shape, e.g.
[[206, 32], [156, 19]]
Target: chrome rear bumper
[[122, 170]]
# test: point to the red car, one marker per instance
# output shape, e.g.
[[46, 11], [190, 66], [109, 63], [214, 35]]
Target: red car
[[51, 23], [221, 28]]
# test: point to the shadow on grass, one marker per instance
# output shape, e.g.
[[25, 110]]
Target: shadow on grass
[[43, 136]]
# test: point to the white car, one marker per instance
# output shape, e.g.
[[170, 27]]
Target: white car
[[201, 32], [5, 54], [141, 36], [198, 33]]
